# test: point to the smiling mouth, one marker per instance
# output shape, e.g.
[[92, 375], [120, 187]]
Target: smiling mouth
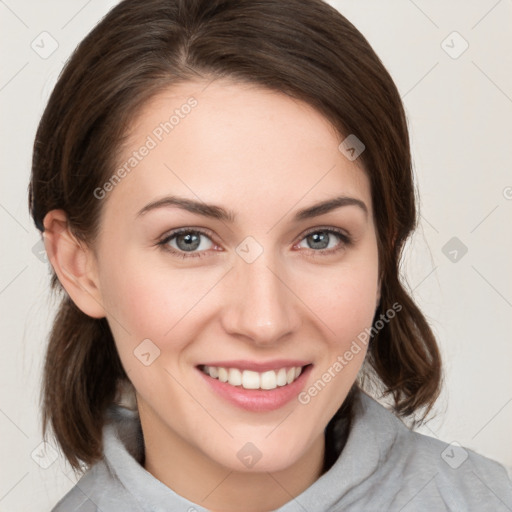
[[249, 379]]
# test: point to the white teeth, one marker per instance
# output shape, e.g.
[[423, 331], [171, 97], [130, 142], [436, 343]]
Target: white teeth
[[223, 374], [249, 379], [268, 380], [235, 377], [281, 377]]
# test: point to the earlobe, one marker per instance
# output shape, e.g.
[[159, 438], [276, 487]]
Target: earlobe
[[73, 263]]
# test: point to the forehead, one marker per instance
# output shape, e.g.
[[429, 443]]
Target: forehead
[[236, 144]]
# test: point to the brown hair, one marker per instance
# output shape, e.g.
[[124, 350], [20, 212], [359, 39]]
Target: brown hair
[[303, 48]]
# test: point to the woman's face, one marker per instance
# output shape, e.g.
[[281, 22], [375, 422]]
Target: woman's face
[[251, 283]]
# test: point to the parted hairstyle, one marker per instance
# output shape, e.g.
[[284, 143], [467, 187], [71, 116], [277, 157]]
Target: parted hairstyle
[[302, 48]]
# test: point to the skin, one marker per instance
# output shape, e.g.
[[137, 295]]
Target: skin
[[264, 156]]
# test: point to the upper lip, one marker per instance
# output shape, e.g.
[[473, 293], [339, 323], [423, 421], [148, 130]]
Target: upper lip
[[257, 366]]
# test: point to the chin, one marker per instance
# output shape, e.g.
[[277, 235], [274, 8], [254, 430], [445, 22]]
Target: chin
[[259, 455]]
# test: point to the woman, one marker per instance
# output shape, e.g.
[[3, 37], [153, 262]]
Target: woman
[[224, 190]]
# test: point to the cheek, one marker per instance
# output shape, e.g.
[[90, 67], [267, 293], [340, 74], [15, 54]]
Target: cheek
[[346, 303], [346, 309], [148, 300], [147, 313], [346, 299]]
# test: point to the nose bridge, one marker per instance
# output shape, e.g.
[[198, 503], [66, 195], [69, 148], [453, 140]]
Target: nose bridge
[[262, 307]]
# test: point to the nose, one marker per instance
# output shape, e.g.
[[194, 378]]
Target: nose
[[261, 305]]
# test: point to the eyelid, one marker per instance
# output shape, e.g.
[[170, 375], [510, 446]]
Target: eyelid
[[174, 232], [342, 232]]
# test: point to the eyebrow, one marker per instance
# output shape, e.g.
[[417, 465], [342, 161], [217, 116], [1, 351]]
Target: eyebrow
[[220, 213]]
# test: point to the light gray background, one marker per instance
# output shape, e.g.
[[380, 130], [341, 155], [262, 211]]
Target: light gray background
[[460, 116]]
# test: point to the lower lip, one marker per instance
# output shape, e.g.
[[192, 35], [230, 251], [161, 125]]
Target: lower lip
[[258, 400]]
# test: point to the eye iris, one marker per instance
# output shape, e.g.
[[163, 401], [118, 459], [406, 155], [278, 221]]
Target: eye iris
[[191, 240], [320, 240]]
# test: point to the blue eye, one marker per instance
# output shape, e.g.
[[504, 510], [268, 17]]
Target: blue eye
[[187, 242], [319, 241]]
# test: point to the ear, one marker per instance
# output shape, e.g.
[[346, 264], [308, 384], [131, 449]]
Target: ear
[[74, 263]]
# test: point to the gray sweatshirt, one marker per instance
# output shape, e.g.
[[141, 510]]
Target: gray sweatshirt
[[384, 466]]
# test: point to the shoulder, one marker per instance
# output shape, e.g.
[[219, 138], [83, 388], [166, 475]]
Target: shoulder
[[106, 485], [461, 475], [424, 470], [83, 496], [97, 490]]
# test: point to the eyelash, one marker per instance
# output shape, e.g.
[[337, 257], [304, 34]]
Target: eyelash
[[346, 241]]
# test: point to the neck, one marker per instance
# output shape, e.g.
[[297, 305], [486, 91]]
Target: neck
[[191, 474]]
